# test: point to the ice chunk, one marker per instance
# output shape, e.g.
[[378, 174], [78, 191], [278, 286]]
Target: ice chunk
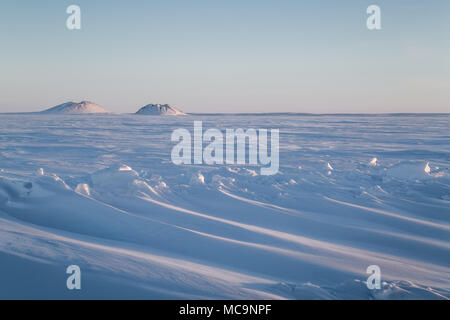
[[197, 178], [83, 189], [410, 170]]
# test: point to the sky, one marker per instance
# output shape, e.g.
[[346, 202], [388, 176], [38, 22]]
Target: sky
[[227, 56]]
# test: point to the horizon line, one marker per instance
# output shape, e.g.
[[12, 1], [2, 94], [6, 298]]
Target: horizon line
[[239, 113]]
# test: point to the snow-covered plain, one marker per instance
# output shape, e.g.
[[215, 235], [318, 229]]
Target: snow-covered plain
[[100, 191]]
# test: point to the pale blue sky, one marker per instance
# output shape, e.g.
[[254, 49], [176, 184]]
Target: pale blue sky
[[227, 55]]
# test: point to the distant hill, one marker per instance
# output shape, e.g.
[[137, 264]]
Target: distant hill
[[84, 107], [160, 109]]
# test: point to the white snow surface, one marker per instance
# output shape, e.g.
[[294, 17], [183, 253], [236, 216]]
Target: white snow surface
[[160, 109], [84, 107], [101, 192]]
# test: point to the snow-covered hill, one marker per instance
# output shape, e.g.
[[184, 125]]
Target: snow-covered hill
[[160, 109], [83, 107]]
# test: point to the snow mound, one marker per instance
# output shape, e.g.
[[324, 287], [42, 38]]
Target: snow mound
[[220, 181], [15, 191], [160, 109], [117, 180], [115, 177], [84, 107], [410, 170]]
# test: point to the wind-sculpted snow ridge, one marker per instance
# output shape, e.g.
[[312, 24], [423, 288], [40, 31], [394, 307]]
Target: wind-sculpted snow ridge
[[160, 109], [84, 107], [109, 200]]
